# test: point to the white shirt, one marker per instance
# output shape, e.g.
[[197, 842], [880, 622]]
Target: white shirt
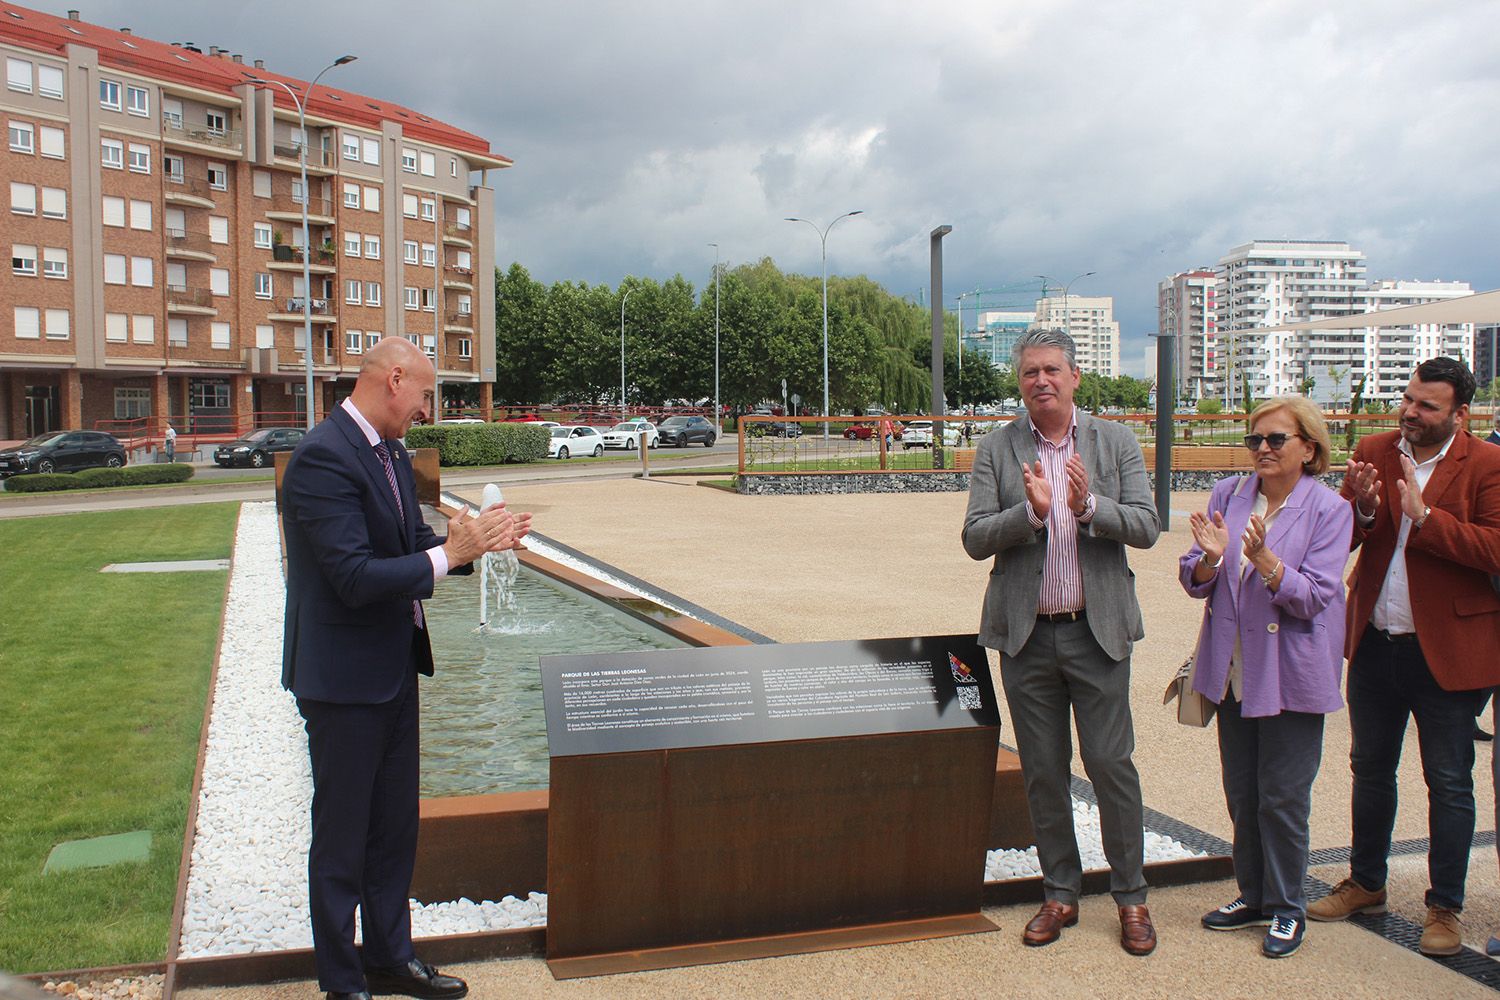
[[436, 554], [1392, 612]]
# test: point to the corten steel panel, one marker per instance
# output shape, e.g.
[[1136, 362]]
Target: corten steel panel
[[1010, 820], [481, 847], [424, 465], [663, 848]]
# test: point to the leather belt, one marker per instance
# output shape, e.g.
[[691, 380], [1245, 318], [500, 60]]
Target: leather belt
[[1399, 638], [1062, 616]]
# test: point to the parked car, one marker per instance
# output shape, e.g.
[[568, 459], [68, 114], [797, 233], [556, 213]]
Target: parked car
[[62, 451], [784, 429], [682, 431], [574, 439], [626, 433], [918, 434], [462, 420], [256, 448], [864, 432]]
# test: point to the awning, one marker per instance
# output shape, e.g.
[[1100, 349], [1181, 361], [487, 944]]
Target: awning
[[1483, 307]]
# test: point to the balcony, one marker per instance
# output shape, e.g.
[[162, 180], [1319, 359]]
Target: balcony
[[175, 133], [459, 321], [187, 191], [458, 277], [192, 301], [317, 159], [193, 246], [289, 258], [458, 233], [319, 212], [290, 311]]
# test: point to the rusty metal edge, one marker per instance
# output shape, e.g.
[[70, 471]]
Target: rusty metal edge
[[103, 972]]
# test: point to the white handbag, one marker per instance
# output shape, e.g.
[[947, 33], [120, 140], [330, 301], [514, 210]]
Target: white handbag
[[1193, 708]]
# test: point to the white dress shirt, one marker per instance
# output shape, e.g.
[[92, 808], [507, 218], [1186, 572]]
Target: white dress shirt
[[436, 554], [1392, 612]]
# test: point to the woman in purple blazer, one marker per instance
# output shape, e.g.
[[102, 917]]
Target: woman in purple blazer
[[1269, 556]]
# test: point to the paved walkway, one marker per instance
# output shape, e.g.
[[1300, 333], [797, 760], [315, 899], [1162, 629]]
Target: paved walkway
[[807, 568]]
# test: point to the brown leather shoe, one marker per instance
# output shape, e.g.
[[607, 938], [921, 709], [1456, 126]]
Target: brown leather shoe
[[1048, 923], [1137, 936]]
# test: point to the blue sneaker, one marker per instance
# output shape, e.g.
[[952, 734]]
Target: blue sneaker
[[1233, 916], [1284, 937]]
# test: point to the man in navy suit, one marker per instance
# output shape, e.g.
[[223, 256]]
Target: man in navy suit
[[359, 561]]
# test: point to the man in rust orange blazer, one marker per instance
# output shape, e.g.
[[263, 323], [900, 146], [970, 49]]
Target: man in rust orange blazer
[[1423, 626]]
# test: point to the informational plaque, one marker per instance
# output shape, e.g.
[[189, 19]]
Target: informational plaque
[[736, 802]]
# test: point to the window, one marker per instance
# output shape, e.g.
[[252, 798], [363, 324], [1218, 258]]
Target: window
[[409, 160], [22, 199], [114, 269], [131, 404], [372, 199], [372, 152], [140, 158], [261, 183], [171, 112], [112, 154], [352, 289], [218, 229], [464, 260], [429, 255], [28, 323], [429, 345], [429, 164], [23, 260], [461, 217], [465, 347], [265, 336], [116, 326], [452, 166], [140, 216], [209, 394], [263, 235], [218, 280], [49, 80], [143, 329], [351, 147], [141, 272], [372, 247], [216, 122], [54, 203], [173, 166], [177, 331], [351, 244], [297, 197], [218, 336], [57, 324], [218, 177], [409, 205], [409, 294], [109, 94], [22, 137], [354, 341], [465, 305], [54, 262], [137, 101], [371, 339], [427, 299], [429, 209], [52, 142], [176, 277], [409, 251], [372, 293], [351, 195], [18, 75], [263, 286]]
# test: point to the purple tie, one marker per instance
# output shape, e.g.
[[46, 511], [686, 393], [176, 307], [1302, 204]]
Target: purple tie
[[384, 454]]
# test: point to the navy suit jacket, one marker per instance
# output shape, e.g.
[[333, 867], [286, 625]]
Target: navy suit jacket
[[354, 565]]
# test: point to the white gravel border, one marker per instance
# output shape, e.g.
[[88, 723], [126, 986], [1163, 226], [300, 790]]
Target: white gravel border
[[247, 880]]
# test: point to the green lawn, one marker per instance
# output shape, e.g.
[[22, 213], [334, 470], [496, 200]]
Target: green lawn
[[102, 685]]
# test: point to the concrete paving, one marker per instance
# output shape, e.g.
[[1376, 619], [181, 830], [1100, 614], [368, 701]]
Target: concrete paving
[[808, 568]]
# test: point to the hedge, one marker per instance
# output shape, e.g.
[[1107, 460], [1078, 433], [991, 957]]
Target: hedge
[[481, 444], [91, 479]]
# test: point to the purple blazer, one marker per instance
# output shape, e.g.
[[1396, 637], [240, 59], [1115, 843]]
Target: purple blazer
[[1292, 641]]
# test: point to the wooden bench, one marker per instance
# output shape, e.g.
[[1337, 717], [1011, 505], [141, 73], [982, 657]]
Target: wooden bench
[[1206, 457]]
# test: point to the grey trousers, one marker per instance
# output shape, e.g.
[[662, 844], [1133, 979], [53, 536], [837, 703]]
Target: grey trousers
[[1060, 668], [1269, 765]]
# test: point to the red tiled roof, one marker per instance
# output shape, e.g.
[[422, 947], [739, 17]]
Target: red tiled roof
[[48, 33]]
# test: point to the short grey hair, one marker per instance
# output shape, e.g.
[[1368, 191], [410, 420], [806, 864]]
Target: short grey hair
[[1043, 338]]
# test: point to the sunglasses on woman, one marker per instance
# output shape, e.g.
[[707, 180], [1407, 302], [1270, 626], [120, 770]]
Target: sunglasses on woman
[[1276, 441]]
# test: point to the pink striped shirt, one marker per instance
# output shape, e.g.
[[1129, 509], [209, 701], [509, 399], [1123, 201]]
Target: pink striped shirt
[[1062, 579]]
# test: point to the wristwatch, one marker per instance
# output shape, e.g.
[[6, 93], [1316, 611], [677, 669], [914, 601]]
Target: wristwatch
[[1421, 520]]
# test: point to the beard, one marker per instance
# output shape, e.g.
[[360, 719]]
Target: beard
[[1427, 435]]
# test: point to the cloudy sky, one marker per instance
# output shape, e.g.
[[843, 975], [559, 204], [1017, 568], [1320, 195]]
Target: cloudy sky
[[1132, 139]]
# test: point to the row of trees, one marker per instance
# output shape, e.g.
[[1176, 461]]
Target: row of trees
[[561, 343]]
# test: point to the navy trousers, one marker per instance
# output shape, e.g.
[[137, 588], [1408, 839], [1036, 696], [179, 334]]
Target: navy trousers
[[365, 761]]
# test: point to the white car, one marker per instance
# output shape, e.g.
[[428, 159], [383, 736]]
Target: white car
[[626, 434], [918, 434], [575, 439]]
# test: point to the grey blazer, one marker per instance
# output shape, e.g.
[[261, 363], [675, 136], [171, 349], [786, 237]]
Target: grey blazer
[[996, 526]]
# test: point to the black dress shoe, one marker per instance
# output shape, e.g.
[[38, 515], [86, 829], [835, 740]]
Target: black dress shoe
[[415, 979], [1480, 736], [361, 995]]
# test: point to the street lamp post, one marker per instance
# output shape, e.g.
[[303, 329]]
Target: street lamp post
[[307, 344], [823, 239], [717, 412], [623, 300]]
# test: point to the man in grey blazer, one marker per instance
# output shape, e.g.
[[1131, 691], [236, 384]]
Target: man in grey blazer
[[1054, 498]]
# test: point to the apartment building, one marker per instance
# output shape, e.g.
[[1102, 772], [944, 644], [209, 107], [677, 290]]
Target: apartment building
[[1187, 311], [1089, 320], [1486, 353], [154, 217]]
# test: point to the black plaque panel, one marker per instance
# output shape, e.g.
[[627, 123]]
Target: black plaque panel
[[721, 696]]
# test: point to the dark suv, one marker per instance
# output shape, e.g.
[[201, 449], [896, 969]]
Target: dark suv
[[680, 431], [62, 451]]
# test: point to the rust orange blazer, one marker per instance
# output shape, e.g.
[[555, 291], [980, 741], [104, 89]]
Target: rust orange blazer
[[1448, 562]]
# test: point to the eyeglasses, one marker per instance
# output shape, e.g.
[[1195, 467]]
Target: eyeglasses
[[1276, 441]]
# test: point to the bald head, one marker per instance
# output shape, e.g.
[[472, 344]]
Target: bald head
[[395, 387]]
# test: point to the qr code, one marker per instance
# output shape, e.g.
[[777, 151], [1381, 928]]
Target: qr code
[[968, 697]]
